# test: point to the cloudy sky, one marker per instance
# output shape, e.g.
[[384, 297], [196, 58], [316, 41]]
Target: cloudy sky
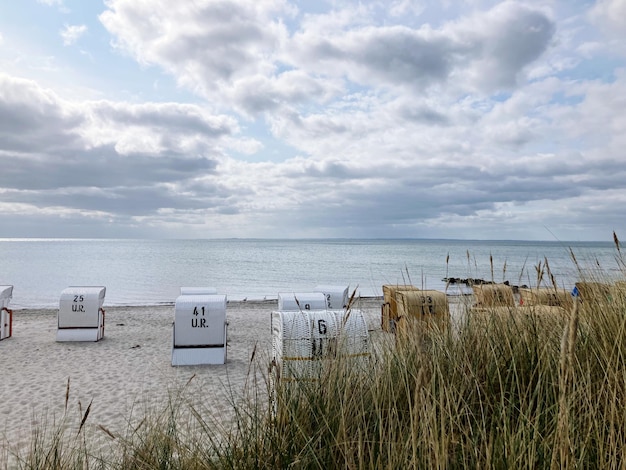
[[313, 118]]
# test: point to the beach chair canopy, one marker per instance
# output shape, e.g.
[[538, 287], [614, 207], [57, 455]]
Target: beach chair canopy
[[6, 293], [336, 296], [80, 307], [301, 301], [493, 295], [546, 296], [199, 320], [422, 303], [389, 308]]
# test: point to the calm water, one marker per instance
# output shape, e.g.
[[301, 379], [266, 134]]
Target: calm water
[[140, 272]]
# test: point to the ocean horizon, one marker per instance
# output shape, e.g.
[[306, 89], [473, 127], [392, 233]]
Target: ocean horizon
[[152, 271]]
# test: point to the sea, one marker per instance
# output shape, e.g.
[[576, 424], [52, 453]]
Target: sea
[[151, 272]]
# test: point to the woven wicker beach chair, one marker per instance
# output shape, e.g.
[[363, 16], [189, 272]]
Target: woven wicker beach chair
[[389, 308], [303, 341]]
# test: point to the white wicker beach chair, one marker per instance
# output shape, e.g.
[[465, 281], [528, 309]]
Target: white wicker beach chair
[[200, 330], [81, 316], [302, 341], [6, 314]]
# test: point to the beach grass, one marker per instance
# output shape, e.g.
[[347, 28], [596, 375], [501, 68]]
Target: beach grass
[[500, 390]]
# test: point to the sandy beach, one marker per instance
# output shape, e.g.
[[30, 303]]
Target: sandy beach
[[126, 373]]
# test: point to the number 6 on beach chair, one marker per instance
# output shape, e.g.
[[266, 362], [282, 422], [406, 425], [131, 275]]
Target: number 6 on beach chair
[[6, 315], [81, 316]]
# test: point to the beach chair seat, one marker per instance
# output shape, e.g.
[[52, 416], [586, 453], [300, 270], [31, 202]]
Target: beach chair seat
[[6, 314], [81, 316], [200, 329], [336, 296], [389, 308], [297, 301]]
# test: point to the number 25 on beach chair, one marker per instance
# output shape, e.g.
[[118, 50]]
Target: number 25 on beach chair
[[6, 315], [81, 316]]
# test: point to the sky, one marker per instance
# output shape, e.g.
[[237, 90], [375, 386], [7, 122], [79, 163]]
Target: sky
[[467, 119]]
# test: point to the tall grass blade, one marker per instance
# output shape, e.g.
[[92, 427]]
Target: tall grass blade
[[82, 422]]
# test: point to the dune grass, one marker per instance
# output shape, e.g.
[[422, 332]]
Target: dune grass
[[498, 391]]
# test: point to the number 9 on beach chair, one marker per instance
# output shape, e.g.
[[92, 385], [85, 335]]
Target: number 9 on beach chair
[[199, 335], [6, 315], [81, 316]]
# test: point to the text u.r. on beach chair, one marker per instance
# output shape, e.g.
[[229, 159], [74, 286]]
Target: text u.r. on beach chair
[[81, 316]]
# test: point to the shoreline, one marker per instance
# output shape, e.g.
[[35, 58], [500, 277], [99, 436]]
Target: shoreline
[[235, 302]]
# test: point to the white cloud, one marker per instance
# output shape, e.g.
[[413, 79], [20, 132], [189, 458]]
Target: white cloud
[[71, 33], [611, 14], [219, 41], [399, 8]]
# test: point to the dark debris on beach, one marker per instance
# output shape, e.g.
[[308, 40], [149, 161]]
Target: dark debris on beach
[[478, 282]]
